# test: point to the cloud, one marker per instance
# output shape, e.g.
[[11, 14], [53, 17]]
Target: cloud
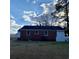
[[61, 14], [55, 2], [63, 24], [34, 1], [48, 8], [55, 24], [45, 8], [14, 26], [26, 18], [30, 16], [12, 17], [33, 18], [30, 13]]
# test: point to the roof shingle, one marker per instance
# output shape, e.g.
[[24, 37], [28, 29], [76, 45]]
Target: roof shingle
[[43, 27]]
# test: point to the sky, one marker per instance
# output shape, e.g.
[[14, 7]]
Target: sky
[[25, 12], [29, 12]]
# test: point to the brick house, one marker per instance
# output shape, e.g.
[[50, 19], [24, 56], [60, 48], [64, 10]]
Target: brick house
[[41, 33]]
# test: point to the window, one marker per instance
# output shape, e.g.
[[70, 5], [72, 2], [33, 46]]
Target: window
[[28, 32], [36, 32], [45, 33]]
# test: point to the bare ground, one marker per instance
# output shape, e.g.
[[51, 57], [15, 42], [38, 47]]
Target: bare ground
[[38, 50]]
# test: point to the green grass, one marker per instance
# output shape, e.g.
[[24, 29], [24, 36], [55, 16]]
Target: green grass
[[39, 50]]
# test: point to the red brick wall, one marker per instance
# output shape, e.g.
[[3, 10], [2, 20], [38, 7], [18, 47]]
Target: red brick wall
[[23, 34], [52, 35], [40, 36]]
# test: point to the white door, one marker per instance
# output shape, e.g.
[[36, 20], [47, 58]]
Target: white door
[[60, 36]]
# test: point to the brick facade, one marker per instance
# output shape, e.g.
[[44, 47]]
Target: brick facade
[[39, 35]]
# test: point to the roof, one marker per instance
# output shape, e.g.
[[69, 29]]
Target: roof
[[43, 27]]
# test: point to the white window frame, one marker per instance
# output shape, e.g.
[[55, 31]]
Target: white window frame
[[45, 34]]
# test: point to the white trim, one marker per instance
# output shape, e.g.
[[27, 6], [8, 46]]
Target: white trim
[[45, 34]]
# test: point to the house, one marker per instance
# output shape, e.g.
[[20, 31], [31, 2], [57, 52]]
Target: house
[[41, 33]]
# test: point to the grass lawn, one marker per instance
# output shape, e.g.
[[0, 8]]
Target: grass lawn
[[38, 50]]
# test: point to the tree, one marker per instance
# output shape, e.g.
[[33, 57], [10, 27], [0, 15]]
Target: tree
[[62, 9]]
